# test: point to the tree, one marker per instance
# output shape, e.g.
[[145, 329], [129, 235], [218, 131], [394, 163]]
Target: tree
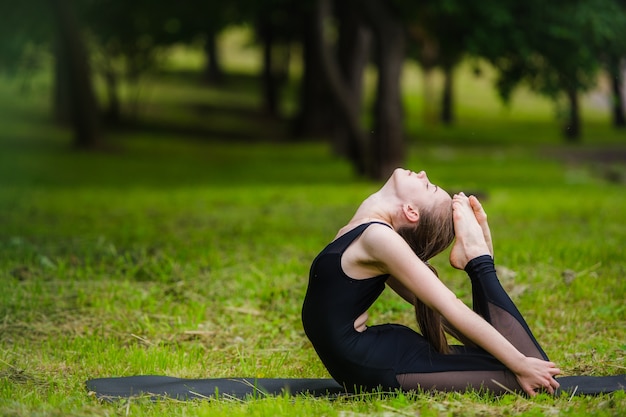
[[75, 76], [440, 31], [389, 39], [613, 58], [127, 36], [347, 108], [277, 24], [202, 22], [353, 51], [615, 68], [375, 155], [555, 47], [33, 26], [317, 101], [131, 36], [24, 35], [27, 36]]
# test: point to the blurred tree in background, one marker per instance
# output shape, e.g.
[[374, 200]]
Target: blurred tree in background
[[559, 49], [612, 55], [129, 36], [31, 27], [439, 32], [556, 47]]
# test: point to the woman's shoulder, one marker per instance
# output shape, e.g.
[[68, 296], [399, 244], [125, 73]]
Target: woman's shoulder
[[380, 241], [379, 233], [366, 225]]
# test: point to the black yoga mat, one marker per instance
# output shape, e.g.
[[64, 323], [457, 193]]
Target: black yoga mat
[[155, 386], [186, 389]]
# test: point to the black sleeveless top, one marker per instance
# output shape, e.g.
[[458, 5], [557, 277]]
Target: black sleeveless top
[[334, 301]]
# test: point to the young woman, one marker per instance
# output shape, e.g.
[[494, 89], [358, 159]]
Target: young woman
[[392, 235]]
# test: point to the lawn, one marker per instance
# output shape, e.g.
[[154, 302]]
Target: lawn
[[181, 255]]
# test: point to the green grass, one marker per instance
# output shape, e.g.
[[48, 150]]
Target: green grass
[[181, 255]]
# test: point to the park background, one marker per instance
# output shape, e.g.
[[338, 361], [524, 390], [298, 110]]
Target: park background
[[169, 171]]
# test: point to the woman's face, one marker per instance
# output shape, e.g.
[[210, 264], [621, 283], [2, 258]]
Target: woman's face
[[416, 189]]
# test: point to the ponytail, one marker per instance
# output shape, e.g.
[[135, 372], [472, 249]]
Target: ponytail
[[430, 323], [433, 234]]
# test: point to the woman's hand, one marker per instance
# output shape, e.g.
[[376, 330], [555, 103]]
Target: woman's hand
[[536, 375]]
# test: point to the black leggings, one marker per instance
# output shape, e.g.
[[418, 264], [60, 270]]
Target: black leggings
[[470, 367]]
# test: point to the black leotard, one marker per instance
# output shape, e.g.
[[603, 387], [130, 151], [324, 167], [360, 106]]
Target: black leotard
[[395, 356], [332, 303]]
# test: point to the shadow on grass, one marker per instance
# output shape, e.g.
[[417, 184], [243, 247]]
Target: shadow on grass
[[231, 111], [212, 123]]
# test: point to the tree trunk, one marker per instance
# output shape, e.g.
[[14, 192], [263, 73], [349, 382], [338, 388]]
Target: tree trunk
[[213, 73], [61, 105], [113, 111], [346, 108], [268, 78], [617, 85], [429, 112], [447, 105], [428, 57], [281, 60], [314, 114], [388, 138], [572, 126], [353, 48], [73, 55]]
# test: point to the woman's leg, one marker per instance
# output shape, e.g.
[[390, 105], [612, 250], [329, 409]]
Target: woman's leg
[[493, 303], [496, 382], [473, 243], [418, 365], [465, 368]]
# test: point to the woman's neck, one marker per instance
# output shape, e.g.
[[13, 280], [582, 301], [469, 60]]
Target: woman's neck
[[374, 208]]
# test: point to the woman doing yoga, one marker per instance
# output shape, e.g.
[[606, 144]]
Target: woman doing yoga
[[392, 235]]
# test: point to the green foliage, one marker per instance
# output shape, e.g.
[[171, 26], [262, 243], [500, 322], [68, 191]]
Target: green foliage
[[554, 46], [26, 31]]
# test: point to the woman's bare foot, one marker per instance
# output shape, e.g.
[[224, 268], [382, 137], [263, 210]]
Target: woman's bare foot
[[470, 240], [481, 216]]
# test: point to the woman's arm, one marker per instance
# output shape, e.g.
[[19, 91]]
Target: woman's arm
[[395, 257], [401, 290]]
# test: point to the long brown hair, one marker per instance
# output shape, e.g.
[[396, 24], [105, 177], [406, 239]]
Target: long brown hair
[[433, 233]]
